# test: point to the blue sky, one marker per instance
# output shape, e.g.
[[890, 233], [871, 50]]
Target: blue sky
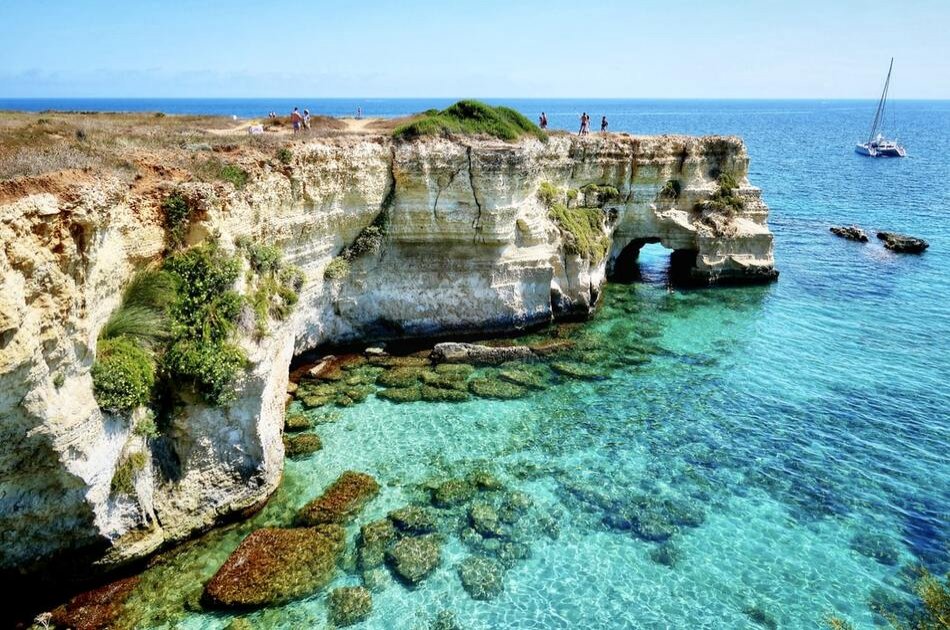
[[487, 48]]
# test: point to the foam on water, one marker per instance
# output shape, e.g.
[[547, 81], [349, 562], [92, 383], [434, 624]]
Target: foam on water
[[802, 426]]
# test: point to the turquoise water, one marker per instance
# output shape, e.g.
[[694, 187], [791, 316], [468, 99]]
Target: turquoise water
[[795, 436]]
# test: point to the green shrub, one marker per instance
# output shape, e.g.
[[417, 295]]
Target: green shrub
[[178, 214], [123, 375], [597, 195], [726, 199], [468, 118], [209, 367], [123, 479], [548, 194], [571, 196], [584, 231], [203, 320], [671, 189], [145, 426], [368, 241], [338, 268], [284, 156], [264, 258], [234, 174]]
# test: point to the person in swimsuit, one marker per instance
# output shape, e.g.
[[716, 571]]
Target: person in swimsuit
[[583, 128], [296, 119], [306, 119], [603, 125], [543, 120]]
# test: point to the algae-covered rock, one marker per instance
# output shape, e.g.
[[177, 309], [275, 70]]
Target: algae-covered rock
[[413, 519], [876, 546], [482, 578], [575, 369], [401, 394], [341, 501], [490, 387], [525, 377], [440, 394], [432, 378], [296, 421], [374, 539], [510, 553], [666, 554], [484, 519], [457, 371], [445, 620], [414, 559], [401, 377], [484, 480], [96, 609], [274, 566], [302, 444], [348, 605], [514, 506], [551, 346], [452, 492], [392, 361], [452, 352]]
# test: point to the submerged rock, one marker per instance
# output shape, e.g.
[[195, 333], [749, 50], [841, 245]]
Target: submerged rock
[[349, 604], [374, 540], [440, 394], [413, 519], [453, 352], [96, 609], [574, 369], [401, 394], [296, 421], [401, 377], [452, 492], [445, 620], [850, 232], [877, 547], [902, 243], [414, 559], [458, 371], [484, 480], [551, 346], [525, 376], [666, 554], [489, 387], [274, 566], [302, 444], [484, 519], [341, 501], [482, 578]]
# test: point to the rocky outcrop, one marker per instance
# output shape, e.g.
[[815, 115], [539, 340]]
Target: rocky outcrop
[[902, 243], [850, 232], [452, 237]]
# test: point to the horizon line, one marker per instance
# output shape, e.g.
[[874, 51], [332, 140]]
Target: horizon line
[[494, 98]]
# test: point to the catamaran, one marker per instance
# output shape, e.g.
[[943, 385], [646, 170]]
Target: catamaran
[[877, 145]]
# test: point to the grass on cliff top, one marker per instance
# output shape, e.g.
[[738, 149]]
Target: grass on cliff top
[[471, 118]]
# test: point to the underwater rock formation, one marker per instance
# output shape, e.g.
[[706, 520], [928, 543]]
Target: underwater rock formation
[[273, 566], [341, 501], [349, 605], [413, 559], [392, 238]]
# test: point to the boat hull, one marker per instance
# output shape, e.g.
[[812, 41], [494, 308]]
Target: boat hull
[[876, 151]]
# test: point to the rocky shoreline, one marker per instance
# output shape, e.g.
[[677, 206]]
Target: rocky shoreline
[[393, 240]]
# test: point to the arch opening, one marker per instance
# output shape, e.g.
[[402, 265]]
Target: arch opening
[[649, 260]]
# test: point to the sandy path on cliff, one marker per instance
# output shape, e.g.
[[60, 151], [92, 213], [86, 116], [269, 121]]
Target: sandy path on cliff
[[350, 125]]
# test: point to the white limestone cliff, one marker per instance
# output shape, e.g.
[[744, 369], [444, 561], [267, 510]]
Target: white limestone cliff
[[467, 247]]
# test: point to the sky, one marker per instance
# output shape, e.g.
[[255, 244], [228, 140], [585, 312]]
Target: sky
[[478, 48]]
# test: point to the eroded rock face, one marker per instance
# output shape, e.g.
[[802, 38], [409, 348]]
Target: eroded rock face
[[468, 246]]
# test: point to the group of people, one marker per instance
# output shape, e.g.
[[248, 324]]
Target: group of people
[[300, 121], [585, 123]]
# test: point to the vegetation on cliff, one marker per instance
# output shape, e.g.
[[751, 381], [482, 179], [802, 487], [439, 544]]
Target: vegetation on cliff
[[123, 375], [583, 228], [471, 118]]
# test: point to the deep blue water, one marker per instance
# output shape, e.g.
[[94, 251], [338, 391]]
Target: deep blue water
[[806, 421]]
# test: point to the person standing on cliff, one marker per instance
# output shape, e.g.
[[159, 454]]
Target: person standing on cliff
[[543, 120], [603, 125], [296, 119], [306, 119], [583, 129]]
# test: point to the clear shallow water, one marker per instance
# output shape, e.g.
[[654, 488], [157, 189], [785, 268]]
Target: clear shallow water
[[798, 419]]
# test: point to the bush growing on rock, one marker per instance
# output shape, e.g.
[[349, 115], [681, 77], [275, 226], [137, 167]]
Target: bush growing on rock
[[338, 269], [123, 375], [583, 230], [284, 156], [548, 194], [123, 479], [471, 117], [178, 213]]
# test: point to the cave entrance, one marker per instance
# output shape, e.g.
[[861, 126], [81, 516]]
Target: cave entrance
[[647, 260]]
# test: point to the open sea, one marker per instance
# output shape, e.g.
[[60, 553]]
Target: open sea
[[784, 450]]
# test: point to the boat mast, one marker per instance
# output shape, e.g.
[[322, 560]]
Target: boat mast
[[880, 105]]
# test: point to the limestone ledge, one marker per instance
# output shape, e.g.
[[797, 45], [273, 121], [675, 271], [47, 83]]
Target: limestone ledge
[[467, 247]]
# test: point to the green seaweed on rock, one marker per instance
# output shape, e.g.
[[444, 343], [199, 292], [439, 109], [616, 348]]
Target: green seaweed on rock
[[584, 230]]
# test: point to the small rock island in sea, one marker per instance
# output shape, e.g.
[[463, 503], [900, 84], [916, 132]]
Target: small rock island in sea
[[154, 293]]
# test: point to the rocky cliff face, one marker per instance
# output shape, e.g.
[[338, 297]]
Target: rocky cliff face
[[466, 245]]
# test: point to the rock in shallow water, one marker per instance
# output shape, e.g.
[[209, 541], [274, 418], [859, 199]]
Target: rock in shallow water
[[301, 444], [451, 352], [95, 609], [850, 232], [341, 501], [413, 519], [902, 243], [349, 604], [273, 566], [481, 577], [414, 559], [374, 539]]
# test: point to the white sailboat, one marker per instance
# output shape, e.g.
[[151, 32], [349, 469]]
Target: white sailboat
[[878, 145]]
